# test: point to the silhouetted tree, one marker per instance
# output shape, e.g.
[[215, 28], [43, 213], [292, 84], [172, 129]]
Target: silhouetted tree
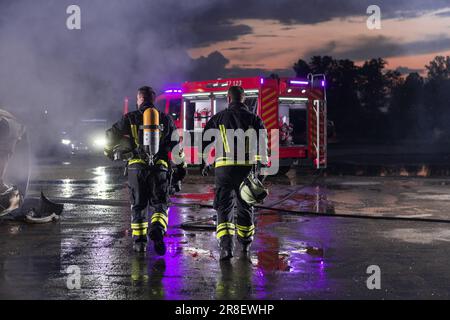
[[374, 103], [344, 106], [406, 110], [302, 69], [439, 69], [437, 95], [322, 65]]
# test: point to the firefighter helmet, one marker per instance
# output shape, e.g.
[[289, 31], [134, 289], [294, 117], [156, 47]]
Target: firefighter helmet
[[252, 190], [121, 150]]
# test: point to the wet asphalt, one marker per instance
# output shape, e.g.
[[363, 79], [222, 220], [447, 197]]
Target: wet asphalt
[[293, 257]]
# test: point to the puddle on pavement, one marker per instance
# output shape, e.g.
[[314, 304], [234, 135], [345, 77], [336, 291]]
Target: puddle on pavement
[[419, 236]]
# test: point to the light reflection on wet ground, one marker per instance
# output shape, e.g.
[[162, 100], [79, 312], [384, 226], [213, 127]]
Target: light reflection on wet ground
[[294, 257]]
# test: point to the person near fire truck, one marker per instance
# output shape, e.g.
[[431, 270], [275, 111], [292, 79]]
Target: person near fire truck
[[231, 173], [148, 182]]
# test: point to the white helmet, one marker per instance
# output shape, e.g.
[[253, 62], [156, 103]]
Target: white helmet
[[252, 190]]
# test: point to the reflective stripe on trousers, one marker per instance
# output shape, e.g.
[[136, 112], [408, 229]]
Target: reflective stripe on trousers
[[139, 229], [162, 218], [224, 229]]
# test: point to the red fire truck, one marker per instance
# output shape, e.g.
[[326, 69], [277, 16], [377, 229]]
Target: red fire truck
[[296, 107]]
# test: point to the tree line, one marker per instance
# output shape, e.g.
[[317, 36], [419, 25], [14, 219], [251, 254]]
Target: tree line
[[370, 102]]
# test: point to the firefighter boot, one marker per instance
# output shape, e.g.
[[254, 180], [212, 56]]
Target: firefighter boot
[[139, 245], [157, 236], [139, 229], [226, 246], [246, 243]]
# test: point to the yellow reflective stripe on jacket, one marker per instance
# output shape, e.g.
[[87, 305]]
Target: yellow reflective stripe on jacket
[[223, 159], [162, 162], [134, 133], [225, 163], [223, 133], [134, 161]]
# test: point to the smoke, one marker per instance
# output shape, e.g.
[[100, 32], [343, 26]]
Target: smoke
[[86, 73]]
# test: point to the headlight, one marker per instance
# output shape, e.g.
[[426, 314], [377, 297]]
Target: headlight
[[66, 142], [99, 142]]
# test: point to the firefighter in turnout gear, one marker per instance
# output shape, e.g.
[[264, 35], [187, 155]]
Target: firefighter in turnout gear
[[234, 127], [148, 136]]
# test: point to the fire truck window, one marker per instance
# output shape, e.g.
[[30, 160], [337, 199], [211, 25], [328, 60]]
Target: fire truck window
[[202, 114], [293, 124], [198, 112], [252, 103], [221, 104], [175, 108]]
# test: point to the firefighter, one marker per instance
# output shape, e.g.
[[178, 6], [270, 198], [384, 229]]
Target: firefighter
[[148, 181], [232, 170]]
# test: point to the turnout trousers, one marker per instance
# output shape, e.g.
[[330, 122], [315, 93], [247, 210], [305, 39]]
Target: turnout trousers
[[227, 181], [149, 198]]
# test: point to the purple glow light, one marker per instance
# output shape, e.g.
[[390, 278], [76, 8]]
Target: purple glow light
[[323, 83], [262, 80], [173, 91], [299, 82]]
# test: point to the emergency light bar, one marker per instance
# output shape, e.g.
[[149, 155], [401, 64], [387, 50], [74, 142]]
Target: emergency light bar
[[299, 82], [173, 91], [215, 85], [293, 99], [220, 93], [198, 94]]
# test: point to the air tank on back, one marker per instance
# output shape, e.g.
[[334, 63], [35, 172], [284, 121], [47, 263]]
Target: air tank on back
[[151, 132]]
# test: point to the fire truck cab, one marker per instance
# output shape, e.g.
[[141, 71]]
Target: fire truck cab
[[295, 107], [170, 102]]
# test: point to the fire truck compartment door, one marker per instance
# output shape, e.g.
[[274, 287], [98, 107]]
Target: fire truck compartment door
[[317, 127], [293, 118]]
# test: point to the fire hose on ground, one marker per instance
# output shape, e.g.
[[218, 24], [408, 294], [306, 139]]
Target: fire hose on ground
[[192, 224]]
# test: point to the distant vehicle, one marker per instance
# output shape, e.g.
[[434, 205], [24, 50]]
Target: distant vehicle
[[85, 138]]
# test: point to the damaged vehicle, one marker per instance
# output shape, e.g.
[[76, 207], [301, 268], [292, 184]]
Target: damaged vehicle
[[14, 177]]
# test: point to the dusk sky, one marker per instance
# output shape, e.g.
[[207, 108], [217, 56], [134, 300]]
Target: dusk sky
[[275, 36], [123, 44]]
